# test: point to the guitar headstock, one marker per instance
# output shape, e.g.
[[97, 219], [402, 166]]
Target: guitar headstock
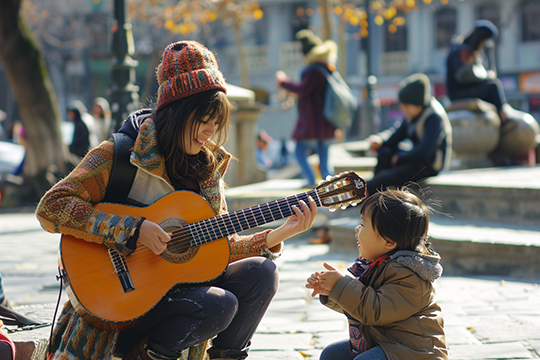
[[342, 190]]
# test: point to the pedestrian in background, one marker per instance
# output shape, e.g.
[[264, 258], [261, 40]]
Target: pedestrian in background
[[466, 75], [88, 120], [389, 300], [101, 112], [80, 143], [172, 151], [263, 159], [312, 132], [427, 127]]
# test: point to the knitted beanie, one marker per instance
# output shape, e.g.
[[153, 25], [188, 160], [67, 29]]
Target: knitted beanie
[[489, 29], [186, 68], [415, 90]]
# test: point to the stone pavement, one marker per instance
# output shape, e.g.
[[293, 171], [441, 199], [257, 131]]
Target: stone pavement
[[485, 317]]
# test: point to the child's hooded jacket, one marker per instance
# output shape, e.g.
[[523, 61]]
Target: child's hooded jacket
[[396, 307]]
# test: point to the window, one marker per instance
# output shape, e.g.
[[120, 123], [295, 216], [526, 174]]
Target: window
[[395, 38], [530, 28], [491, 12], [446, 27], [300, 18], [99, 35]]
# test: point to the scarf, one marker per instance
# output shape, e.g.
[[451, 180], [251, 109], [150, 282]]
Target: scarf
[[361, 269]]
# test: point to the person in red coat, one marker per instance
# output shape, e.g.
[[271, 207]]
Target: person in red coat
[[313, 132]]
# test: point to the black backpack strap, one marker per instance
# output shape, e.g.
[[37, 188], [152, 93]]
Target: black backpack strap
[[123, 172]]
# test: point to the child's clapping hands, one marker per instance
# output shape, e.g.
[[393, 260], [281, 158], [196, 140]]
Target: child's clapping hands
[[323, 282]]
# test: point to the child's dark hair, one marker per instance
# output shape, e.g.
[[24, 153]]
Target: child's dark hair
[[399, 216]]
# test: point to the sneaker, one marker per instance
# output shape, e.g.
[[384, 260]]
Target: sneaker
[[324, 237]]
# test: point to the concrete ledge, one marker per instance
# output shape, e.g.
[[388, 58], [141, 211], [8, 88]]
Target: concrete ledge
[[500, 195], [242, 197], [466, 248]]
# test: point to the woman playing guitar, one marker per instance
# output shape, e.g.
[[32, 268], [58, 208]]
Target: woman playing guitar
[[177, 146]]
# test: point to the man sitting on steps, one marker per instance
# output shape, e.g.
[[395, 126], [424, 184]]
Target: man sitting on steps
[[426, 125]]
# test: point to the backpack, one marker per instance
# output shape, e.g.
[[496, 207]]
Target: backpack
[[122, 173], [340, 104]]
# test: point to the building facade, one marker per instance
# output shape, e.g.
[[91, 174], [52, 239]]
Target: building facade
[[79, 57], [420, 45]]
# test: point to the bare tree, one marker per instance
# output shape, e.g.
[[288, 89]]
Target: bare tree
[[36, 102], [186, 17], [355, 13]]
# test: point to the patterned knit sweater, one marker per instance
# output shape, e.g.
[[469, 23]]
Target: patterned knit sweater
[[68, 208]]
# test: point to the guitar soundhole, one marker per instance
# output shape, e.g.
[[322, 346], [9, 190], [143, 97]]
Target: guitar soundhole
[[178, 246], [180, 240], [179, 249]]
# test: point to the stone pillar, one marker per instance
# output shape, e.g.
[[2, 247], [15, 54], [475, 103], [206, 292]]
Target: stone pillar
[[243, 138]]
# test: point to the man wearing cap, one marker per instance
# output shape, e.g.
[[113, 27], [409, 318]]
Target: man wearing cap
[[426, 126]]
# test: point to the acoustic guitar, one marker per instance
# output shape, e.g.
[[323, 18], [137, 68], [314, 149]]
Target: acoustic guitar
[[114, 292]]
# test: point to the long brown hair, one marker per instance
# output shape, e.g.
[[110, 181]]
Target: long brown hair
[[186, 115], [399, 216]]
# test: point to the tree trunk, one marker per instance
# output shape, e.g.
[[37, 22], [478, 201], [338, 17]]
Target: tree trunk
[[326, 33], [242, 57], [35, 98], [342, 49]]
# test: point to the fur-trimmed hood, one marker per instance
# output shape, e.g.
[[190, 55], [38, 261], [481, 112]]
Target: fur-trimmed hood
[[325, 53], [428, 267]]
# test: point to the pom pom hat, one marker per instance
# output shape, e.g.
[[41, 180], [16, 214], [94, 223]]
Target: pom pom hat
[[315, 50], [187, 68]]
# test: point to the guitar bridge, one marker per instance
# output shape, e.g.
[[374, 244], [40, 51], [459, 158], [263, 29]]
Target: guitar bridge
[[121, 270]]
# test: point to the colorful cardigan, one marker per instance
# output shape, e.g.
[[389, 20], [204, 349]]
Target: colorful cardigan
[[68, 208]]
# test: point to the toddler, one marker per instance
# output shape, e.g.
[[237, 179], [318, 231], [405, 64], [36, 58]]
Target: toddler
[[389, 300]]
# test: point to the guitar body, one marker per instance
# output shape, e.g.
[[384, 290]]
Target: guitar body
[[93, 284]]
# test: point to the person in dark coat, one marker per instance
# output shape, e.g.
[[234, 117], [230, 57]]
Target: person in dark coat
[[312, 133], [81, 136], [426, 125], [466, 76]]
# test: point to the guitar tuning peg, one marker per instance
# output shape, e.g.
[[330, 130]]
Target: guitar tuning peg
[[354, 204], [328, 177]]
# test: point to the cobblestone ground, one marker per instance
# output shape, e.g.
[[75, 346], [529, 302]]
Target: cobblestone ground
[[485, 318]]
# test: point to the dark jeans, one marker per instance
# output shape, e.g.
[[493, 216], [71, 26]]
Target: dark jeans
[[489, 90], [339, 350], [320, 147], [231, 308], [385, 175]]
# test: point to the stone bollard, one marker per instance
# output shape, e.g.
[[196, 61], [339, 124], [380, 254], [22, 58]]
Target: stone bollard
[[519, 134], [475, 131], [242, 141]]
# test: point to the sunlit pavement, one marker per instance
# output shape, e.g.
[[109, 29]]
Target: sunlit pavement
[[485, 318]]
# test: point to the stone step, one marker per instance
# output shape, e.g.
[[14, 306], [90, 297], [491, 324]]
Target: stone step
[[494, 228], [466, 247], [351, 156], [503, 195]]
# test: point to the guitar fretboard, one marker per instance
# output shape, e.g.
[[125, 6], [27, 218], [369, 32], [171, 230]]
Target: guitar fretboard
[[221, 226]]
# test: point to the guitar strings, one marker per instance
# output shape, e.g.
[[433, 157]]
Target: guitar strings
[[220, 228], [217, 227], [202, 231]]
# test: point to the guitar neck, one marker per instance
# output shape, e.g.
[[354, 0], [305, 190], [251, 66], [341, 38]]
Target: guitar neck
[[240, 220]]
